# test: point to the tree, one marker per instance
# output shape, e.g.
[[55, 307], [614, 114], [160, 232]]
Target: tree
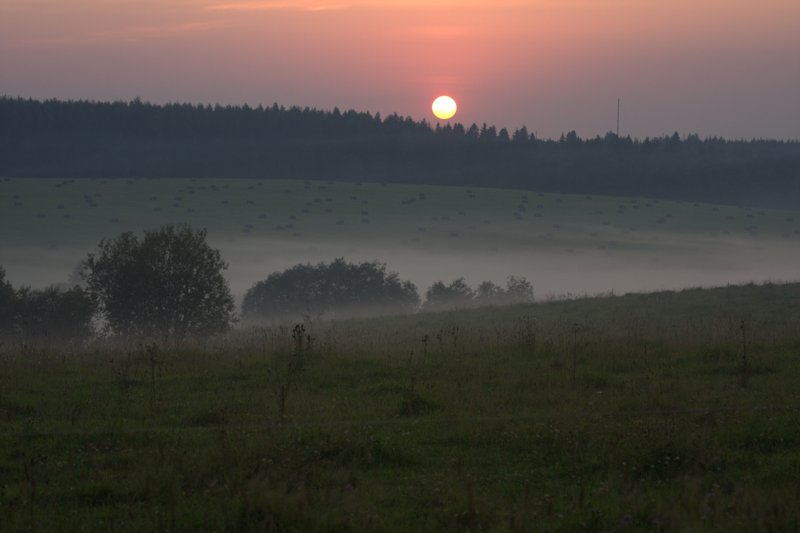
[[489, 293], [441, 296], [168, 284], [54, 314], [518, 290], [6, 304], [338, 287], [521, 135]]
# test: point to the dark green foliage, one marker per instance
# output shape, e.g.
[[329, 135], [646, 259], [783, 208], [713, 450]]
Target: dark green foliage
[[168, 284], [518, 290], [6, 304], [336, 287], [136, 139], [460, 295], [53, 314], [441, 296], [49, 315]]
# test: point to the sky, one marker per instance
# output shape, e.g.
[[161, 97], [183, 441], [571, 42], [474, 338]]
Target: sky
[[714, 67]]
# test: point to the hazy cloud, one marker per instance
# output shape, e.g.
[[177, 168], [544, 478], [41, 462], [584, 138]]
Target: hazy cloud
[[316, 5], [268, 5], [128, 34]]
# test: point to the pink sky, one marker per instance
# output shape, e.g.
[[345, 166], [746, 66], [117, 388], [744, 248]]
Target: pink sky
[[713, 67]]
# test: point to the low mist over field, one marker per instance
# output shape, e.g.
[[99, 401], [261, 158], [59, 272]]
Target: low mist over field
[[564, 244]]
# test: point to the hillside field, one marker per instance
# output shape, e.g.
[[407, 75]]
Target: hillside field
[[424, 232], [667, 411]]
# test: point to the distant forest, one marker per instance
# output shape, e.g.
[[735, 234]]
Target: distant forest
[[137, 139]]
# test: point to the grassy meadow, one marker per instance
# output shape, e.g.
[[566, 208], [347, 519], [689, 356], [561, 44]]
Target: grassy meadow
[[425, 232], [664, 411]]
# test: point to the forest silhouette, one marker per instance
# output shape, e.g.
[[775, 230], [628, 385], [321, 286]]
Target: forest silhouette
[[137, 139]]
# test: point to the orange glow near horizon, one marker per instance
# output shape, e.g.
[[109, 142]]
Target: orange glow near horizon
[[709, 66]]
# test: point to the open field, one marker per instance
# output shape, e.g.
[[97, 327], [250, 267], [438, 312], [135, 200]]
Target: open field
[[563, 243], [666, 411]]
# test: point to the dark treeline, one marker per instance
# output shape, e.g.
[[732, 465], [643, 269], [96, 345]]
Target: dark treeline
[[136, 139]]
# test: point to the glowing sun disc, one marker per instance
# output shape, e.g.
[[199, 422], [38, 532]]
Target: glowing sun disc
[[444, 107]]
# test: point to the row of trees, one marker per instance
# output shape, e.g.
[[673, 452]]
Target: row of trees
[[367, 288], [135, 139], [460, 295], [170, 284], [51, 315]]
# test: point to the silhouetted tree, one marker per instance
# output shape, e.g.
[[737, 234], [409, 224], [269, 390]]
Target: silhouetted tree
[[6, 304], [53, 314], [521, 135], [337, 287], [168, 284], [518, 290], [489, 293], [440, 296]]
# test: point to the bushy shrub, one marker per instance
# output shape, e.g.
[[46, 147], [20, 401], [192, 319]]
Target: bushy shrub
[[6, 304], [456, 294], [53, 314], [460, 295], [337, 287]]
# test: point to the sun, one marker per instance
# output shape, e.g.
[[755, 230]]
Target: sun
[[444, 107]]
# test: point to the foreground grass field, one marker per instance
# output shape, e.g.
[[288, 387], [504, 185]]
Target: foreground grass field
[[668, 411]]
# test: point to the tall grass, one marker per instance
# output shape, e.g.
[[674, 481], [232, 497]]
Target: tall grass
[[625, 412]]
